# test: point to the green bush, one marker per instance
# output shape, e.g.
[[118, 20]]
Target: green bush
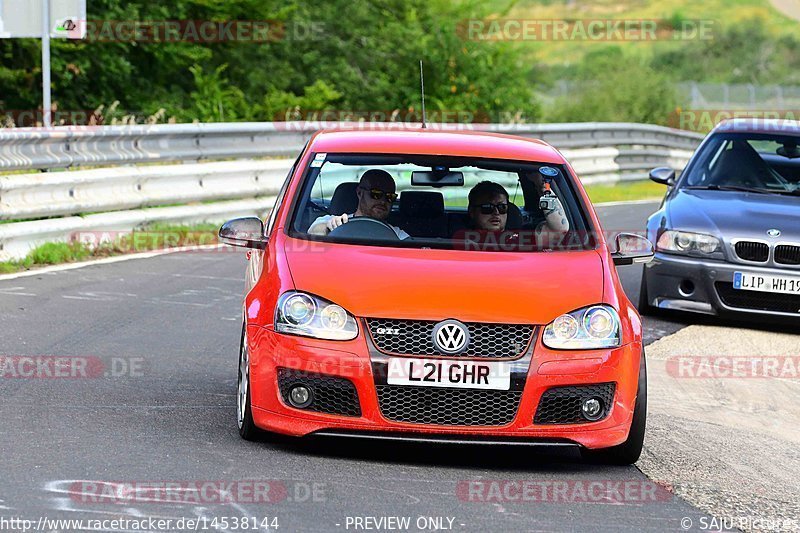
[[617, 87]]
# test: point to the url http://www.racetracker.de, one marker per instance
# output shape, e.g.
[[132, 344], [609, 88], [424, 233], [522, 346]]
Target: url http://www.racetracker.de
[[202, 523]]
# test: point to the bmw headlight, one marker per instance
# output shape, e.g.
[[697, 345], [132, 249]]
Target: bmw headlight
[[299, 313], [684, 242], [591, 327]]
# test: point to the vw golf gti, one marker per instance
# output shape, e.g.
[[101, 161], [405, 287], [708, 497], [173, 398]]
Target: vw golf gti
[[440, 286]]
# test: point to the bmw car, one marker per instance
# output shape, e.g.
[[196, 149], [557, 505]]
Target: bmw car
[[727, 234], [376, 308]]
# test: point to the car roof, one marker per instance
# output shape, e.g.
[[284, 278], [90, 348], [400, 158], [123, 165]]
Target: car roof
[[435, 142], [758, 125]]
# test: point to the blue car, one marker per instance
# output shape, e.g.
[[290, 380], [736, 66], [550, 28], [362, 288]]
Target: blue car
[[727, 233]]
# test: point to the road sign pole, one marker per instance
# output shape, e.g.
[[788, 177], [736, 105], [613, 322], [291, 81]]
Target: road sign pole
[[46, 104]]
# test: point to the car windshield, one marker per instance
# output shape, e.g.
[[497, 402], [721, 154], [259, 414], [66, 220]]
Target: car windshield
[[761, 163], [440, 202]]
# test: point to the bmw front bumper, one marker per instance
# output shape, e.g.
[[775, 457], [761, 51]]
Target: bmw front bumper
[[705, 286]]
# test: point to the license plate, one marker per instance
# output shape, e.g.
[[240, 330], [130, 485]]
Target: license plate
[[764, 283], [452, 374]]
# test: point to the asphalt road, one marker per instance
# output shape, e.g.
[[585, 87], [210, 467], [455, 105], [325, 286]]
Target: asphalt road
[[174, 320]]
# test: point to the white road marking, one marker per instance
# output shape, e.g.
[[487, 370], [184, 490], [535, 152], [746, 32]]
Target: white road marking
[[107, 260], [14, 291]]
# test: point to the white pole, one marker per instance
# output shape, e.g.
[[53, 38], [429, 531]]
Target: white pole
[[46, 104]]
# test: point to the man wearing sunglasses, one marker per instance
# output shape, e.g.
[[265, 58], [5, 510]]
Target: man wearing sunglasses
[[376, 194], [488, 210]]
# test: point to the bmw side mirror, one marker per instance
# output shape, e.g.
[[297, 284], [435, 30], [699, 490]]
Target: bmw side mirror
[[663, 175], [247, 232], [630, 248]]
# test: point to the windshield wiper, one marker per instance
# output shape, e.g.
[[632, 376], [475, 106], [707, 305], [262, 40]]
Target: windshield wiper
[[739, 188], [793, 192]]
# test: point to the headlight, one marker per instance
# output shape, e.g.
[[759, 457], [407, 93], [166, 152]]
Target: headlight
[[298, 313], [684, 242], [591, 327]]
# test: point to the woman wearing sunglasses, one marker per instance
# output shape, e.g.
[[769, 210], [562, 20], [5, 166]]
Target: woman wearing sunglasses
[[376, 194]]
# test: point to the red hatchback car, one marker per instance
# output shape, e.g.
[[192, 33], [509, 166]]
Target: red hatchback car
[[439, 286]]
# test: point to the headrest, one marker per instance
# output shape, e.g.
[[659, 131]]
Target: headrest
[[514, 220], [344, 199], [421, 204]]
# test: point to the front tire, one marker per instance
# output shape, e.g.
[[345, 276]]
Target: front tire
[[644, 307], [629, 451], [244, 413]]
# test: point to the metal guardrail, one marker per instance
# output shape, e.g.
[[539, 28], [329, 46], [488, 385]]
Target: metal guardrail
[[24, 148], [127, 196]]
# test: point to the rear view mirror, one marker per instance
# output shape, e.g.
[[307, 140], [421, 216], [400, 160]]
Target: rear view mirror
[[434, 178], [663, 175], [246, 232], [630, 248]]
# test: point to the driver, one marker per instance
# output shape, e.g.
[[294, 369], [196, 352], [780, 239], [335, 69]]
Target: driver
[[376, 193]]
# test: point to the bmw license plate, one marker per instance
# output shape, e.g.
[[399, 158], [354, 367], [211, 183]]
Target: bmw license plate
[[446, 373], [764, 283]]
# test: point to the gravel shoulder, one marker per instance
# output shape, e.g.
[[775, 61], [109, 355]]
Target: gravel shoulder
[[727, 445]]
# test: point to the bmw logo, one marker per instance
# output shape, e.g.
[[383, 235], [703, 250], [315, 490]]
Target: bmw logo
[[774, 232], [450, 336]]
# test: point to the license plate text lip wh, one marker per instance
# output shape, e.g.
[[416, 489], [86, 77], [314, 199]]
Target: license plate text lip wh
[[755, 282], [469, 374]]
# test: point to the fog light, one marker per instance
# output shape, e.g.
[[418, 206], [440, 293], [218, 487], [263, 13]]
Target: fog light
[[592, 409], [300, 396]]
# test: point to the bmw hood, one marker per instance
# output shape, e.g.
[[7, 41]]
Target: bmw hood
[[431, 284], [733, 214]]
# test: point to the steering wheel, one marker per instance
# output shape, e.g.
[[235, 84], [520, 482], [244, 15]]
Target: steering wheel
[[365, 228]]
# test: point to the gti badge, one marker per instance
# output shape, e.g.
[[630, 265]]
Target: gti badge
[[388, 331], [774, 232], [450, 336]]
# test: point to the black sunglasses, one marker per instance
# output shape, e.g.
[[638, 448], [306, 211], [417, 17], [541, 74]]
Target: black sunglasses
[[377, 194], [488, 209]]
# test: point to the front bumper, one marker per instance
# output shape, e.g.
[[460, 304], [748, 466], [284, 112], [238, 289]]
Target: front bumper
[[669, 278], [356, 362]]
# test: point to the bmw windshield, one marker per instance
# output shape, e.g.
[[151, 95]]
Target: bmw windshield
[[747, 162]]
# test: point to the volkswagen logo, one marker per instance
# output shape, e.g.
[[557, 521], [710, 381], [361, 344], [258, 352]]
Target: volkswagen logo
[[450, 336], [774, 232]]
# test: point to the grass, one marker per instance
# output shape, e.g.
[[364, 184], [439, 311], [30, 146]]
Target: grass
[[626, 191], [93, 245]]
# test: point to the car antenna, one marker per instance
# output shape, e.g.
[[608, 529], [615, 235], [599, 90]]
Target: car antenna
[[422, 87]]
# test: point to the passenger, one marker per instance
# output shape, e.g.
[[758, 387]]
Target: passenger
[[488, 210], [376, 193]]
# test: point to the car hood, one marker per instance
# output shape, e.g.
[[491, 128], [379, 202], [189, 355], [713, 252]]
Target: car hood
[[735, 214], [429, 284]]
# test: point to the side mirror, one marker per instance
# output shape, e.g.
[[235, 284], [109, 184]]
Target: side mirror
[[630, 249], [663, 175], [247, 232]]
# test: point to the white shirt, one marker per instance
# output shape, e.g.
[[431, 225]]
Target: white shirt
[[323, 220]]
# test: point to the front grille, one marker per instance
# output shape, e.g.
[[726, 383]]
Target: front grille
[[448, 407], [787, 254], [760, 301], [498, 341], [331, 395], [562, 405], [752, 251]]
